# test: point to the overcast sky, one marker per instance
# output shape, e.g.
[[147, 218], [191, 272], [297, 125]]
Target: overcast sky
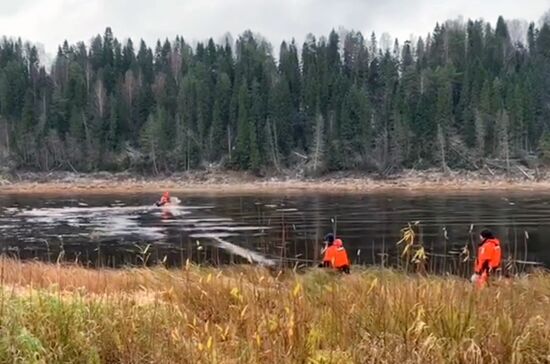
[[51, 21]]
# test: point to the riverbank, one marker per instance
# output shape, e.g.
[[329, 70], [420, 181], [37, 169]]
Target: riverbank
[[246, 314], [230, 182]]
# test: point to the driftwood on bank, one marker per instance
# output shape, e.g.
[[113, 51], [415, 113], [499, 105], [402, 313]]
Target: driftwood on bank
[[524, 173], [509, 167]]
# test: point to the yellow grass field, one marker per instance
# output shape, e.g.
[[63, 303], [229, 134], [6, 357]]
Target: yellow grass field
[[246, 314]]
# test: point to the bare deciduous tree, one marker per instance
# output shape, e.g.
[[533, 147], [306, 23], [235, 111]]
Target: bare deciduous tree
[[100, 97], [130, 87]]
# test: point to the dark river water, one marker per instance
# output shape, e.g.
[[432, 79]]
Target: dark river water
[[269, 229]]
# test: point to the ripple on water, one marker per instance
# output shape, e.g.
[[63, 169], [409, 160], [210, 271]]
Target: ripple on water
[[367, 222]]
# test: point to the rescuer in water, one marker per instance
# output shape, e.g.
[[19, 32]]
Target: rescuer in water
[[164, 200]]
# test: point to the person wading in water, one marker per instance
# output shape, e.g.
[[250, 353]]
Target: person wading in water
[[164, 200]]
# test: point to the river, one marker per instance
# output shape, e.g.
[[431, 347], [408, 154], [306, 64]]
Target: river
[[117, 230]]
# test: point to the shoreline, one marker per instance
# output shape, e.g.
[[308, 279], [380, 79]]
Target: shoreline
[[232, 183]]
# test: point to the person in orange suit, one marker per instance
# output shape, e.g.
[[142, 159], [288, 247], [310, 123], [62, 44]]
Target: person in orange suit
[[489, 258], [164, 200], [335, 255]]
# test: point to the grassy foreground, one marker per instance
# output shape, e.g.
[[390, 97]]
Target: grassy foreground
[[58, 314]]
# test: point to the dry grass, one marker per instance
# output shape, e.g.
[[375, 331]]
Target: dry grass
[[55, 314]]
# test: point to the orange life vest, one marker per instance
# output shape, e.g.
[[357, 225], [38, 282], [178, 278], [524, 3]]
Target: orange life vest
[[489, 256], [165, 198], [336, 255]]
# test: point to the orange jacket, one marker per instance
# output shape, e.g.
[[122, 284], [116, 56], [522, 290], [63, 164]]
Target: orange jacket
[[489, 256], [336, 255], [164, 199]]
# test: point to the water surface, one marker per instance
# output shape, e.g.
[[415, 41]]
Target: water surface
[[116, 230]]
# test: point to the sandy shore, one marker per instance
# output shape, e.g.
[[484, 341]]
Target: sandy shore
[[238, 183]]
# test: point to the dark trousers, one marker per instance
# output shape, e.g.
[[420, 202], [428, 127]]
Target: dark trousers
[[344, 269]]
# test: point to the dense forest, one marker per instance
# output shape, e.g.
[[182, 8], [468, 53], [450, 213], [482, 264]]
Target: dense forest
[[465, 95]]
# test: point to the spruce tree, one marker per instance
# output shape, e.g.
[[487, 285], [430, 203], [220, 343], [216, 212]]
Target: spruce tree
[[465, 92], [243, 146]]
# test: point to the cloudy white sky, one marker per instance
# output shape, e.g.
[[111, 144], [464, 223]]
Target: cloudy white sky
[[51, 21]]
